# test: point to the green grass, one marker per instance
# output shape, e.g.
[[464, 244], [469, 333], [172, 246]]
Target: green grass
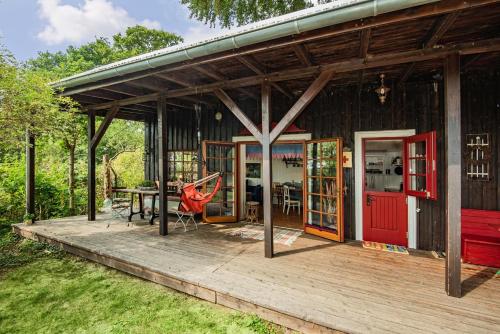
[[43, 290]]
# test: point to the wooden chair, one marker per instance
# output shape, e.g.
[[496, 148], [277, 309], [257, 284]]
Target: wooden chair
[[277, 192], [288, 202]]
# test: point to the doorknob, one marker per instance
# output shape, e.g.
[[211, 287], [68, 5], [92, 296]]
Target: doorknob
[[369, 200]]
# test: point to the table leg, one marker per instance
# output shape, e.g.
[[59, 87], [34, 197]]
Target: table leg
[[141, 205], [131, 207], [153, 215]]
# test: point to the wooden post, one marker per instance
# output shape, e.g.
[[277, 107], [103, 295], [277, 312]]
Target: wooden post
[[267, 174], [30, 173], [91, 167], [147, 149], [163, 164], [453, 175]]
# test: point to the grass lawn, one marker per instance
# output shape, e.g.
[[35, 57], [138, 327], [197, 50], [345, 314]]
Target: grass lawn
[[43, 290]]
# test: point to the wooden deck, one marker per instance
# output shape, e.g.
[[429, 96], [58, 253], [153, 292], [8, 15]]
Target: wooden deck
[[312, 286]]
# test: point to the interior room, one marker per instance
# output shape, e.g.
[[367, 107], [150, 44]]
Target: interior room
[[287, 174], [384, 165]]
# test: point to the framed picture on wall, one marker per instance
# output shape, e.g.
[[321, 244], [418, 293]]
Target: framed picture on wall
[[253, 170]]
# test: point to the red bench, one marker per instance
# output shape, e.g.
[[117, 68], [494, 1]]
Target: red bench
[[481, 237]]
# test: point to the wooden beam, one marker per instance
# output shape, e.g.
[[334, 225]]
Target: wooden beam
[[467, 64], [301, 103], [30, 173], [453, 175], [364, 42], [157, 86], [302, 55], [163, 164], [267, 174], [433, 9], [439, 29], [104, 126], [217, 76], [240, 115], [356, 64], [91, 167], [253, 65], [175, 80]]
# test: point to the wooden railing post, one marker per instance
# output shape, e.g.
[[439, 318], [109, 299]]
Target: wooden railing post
[[267, 174], [453, 176], [163, 164], [30, 173], [91, 167]]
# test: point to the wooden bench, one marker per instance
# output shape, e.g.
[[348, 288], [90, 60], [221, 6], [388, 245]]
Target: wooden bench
[[481, 237]]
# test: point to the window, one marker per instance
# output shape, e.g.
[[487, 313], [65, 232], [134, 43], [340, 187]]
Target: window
[[420, 164], [183, 165]]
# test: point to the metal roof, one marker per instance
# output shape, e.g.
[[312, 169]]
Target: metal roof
[[290, 24]]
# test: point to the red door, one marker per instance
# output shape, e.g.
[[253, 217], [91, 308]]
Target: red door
[[385, 210], [385, 217]]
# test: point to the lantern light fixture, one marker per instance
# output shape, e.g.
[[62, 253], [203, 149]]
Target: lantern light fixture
[[382, 91]]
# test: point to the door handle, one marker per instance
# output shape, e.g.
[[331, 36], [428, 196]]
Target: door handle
[[369, 200]]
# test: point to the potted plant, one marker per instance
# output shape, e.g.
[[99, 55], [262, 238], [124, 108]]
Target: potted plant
[[147, 185], [29, 218]]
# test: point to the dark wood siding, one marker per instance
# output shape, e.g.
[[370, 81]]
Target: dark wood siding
[[341, 111]]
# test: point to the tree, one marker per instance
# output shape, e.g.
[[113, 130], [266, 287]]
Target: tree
[[229, 13], [27, 103], [136, 40]]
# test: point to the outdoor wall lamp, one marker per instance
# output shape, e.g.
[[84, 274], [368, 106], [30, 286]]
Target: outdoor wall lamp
[[218, 116], [382, 90]]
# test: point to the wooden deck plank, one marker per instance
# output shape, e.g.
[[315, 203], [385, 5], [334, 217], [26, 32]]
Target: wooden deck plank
[[313, 286]]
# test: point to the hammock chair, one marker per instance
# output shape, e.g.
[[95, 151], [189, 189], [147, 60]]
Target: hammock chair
[[193, 200]]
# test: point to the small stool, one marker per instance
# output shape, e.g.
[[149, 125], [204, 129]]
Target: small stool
[[252, 212]]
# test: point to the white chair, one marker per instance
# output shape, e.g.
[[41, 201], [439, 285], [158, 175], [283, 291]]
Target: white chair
[[288, 202], [184, 218]]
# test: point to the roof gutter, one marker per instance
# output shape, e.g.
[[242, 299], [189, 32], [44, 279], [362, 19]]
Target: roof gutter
[[290, 24]]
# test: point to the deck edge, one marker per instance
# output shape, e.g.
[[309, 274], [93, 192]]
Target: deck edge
[[180, 285]]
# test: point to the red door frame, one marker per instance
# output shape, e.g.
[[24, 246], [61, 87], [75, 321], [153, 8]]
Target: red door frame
[[365, 192]]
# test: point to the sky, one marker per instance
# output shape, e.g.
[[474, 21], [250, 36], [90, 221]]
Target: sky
[[30, 26]]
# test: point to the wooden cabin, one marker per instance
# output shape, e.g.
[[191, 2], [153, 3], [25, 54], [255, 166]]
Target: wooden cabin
[[397, 106]]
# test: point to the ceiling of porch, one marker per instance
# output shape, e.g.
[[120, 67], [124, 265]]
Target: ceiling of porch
[[394, 44]]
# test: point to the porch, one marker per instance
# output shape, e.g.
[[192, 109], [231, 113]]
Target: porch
[[313, 285]]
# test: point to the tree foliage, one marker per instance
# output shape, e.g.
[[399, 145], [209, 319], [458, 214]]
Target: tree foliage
[[27, 102], [136, 40], [229, 13]]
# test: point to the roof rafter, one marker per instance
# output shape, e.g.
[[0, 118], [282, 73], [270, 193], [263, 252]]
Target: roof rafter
[[303, 55], [440, 27], [217, 76], [438, 8], [356, 64], [364, 42], [256, 67]]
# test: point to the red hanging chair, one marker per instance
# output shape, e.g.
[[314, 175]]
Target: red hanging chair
[[193, 200]]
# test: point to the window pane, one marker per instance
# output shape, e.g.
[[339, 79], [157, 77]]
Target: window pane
[[313, 218], [313, 151], [313, 185], [313, 167], [314, 202], [329, 221], [329, 150]]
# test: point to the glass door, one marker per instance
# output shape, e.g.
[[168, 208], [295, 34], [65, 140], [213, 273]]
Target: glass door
[[323, 207], [220, 157]]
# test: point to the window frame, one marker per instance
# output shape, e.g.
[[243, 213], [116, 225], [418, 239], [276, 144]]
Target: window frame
[[429, 139], [187, 159]]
